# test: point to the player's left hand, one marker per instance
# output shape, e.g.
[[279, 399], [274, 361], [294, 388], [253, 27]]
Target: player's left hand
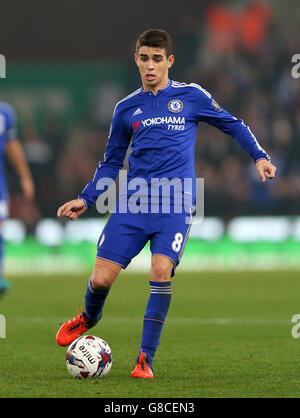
[[265, 169]]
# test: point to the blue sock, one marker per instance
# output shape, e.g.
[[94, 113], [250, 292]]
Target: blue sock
[[94, 301], [156, 313]]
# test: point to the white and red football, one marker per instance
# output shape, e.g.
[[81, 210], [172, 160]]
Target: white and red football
[[88, 357]]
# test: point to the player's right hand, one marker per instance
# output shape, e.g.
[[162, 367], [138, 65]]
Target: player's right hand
[[71, 210]]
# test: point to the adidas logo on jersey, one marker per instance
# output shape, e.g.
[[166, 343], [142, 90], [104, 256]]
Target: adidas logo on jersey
[[137, 112]]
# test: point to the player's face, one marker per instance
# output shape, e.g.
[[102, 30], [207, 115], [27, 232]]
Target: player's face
[[153, 65]]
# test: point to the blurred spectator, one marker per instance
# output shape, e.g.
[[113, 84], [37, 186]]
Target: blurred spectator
[[245, 28]]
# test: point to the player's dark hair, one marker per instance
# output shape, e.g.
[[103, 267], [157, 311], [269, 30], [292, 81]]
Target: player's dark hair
[[155, 38]]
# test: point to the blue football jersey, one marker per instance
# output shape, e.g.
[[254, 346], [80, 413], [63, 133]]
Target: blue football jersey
[[163, 130], [8, 130], [7, 133]]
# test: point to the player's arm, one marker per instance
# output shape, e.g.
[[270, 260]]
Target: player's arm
[[116, 148], [209, 111], [118, 141], [15, 153]]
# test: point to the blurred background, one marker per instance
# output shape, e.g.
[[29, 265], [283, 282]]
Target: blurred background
[[68, 63]]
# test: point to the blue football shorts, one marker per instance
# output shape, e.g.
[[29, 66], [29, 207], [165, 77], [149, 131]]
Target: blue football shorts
[[125, 235]]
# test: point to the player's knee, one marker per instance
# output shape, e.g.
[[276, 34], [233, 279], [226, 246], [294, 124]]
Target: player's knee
[[104, 274], [160, 273], [102, 279]]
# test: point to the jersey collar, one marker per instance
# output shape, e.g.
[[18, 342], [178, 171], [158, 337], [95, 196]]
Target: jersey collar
[[165, 89]]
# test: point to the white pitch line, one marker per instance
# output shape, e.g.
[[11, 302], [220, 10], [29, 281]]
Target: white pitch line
[[169, 321]]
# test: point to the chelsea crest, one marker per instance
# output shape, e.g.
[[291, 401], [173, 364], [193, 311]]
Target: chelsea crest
[[175, 105]]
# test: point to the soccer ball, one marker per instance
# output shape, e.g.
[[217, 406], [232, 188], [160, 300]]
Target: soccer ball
[[88, 357]]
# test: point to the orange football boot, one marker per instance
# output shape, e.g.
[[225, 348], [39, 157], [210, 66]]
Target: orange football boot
[[72, 329], [142, 368]]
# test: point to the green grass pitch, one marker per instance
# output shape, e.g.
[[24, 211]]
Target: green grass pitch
[[226, 335]]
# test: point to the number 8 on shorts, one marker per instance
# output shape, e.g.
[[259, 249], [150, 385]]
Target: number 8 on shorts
[[176, 244]]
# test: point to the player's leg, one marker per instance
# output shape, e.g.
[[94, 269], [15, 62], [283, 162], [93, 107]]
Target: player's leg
[[121, 239], [169, 233], [158, 303], [99, 283], [98, 286], [4, 284], [155, 315]]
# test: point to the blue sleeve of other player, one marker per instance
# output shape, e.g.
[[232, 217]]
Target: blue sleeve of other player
[[10, 124], [116, 148], [208, 110]]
